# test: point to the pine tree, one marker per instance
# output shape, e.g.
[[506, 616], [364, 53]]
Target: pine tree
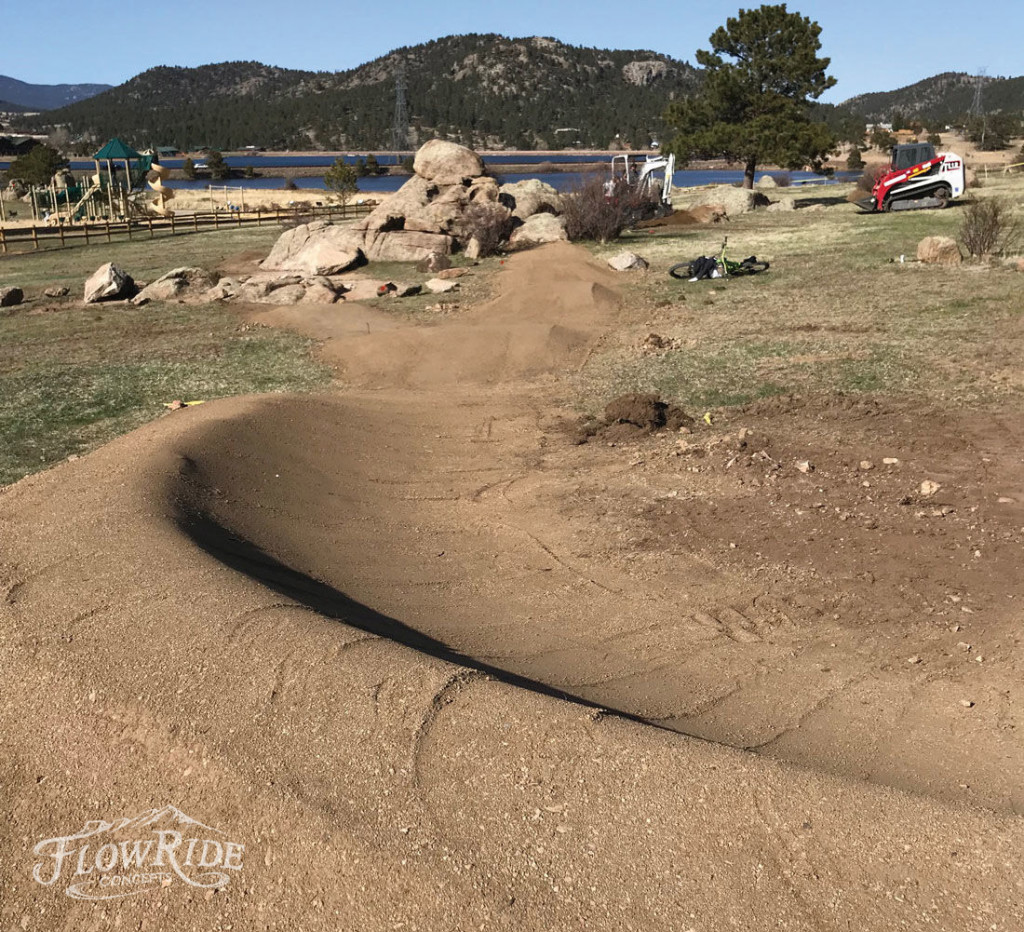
[[760, 77]]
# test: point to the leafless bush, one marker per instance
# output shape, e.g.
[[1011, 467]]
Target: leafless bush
[[989, 227], [599, 209], [782, 179], [489, 225], [867, 181]]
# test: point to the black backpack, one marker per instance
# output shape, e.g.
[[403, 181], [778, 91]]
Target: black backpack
[[703, 267]]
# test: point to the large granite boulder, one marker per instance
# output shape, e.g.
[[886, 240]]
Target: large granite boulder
[[318, 248], [538, 230], [447, 163], [528, 197]]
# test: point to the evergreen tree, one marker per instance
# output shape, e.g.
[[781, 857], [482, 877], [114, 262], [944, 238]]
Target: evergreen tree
[[37, 166], [759, 80], [219, 169], [342, 179], [188, 167]]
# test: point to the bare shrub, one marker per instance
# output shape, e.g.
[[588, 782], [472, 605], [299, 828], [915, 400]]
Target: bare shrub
[[988, 227], [600, 209], [489, 225], [782, 179], [867, 181]]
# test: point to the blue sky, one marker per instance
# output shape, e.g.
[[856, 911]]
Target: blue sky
[[874, 45]]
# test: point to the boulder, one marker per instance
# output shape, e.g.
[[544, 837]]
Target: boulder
[[538, 230], [450, 274], [708, 213], [447, 162], [56, 291], [766, 181], [529, 197], [318, 248], [9, 297], [939, 250], [733, 200], [319, 293], [289, 294], [405, 245], [224, 289], [435, 262], [625, 261], [183, 283], [108, 282], [786, 203]]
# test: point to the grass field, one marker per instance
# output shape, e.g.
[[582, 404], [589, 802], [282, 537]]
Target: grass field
[[73, 377], [837, 311]]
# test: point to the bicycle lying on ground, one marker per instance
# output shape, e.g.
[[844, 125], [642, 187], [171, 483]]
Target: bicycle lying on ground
[[719, 266]]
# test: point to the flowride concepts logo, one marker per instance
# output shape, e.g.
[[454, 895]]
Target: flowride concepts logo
[[131, 856]]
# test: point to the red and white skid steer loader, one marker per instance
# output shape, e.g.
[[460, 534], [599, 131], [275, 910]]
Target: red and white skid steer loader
[[917, 178]]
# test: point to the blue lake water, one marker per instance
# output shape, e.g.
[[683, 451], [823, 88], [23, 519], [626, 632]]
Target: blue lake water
[[388, 183], [562, 181]]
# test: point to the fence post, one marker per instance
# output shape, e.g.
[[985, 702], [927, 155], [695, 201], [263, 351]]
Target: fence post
[[195, 221], [150, 219], [172, 224], [3, 241], [35, 237], [108, 229]]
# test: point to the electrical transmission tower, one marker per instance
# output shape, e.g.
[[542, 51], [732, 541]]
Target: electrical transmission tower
[[977, 110], [400, 127]]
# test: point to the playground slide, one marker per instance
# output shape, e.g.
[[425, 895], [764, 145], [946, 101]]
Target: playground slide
[[157, 175]]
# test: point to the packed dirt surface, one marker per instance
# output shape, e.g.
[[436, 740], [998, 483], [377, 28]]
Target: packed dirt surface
[[437, 665]]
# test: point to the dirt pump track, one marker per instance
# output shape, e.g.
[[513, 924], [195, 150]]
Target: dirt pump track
[[373, 634]]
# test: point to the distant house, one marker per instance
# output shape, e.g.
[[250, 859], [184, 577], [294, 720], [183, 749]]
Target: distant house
[[167, 152]]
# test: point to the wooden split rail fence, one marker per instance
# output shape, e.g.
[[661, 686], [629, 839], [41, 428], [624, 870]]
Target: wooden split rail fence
[[58, 236]]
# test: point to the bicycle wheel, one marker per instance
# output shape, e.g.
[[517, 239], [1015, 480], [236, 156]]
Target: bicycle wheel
[[752, 268], [681, 270]]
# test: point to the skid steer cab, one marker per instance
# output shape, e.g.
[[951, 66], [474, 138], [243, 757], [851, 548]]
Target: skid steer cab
[[917, 179]]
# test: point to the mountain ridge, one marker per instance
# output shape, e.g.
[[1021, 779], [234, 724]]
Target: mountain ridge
[[28, 96]]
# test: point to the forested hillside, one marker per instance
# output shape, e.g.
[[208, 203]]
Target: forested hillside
[[486, 90], [944, 98]]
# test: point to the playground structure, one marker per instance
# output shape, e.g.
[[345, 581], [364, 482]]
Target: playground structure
[[118, 189]]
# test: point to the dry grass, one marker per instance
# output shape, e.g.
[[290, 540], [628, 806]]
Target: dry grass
[[837, 312]]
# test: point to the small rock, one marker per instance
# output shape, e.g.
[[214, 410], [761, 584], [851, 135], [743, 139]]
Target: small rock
[[865, 465], [449, 274], [440, 286], [805, 466], [9, 297], [929, 487], [434, 262], [1006, 500], [626, 261], [914, 659], [967, 703], [56, 291], [890, 461], [963, 645]]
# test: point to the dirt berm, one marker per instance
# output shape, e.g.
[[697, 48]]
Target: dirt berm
[[370, 634]]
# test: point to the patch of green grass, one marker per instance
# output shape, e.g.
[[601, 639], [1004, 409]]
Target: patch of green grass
[[74, 379]]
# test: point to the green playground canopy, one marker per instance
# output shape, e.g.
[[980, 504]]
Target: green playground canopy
[[116, 149]]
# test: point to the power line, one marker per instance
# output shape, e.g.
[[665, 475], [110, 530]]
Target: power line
[[400, 127]]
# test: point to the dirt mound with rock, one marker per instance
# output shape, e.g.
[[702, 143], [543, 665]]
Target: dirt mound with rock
[[631, 416]]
